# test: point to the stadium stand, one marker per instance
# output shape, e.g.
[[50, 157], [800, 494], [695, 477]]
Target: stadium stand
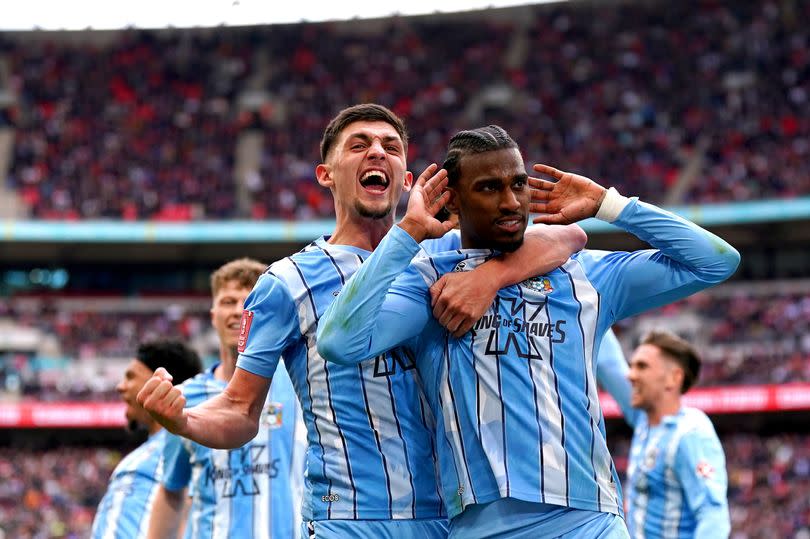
[[189, 125]]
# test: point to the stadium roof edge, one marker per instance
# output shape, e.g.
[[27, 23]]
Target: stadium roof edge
[[84, 15]]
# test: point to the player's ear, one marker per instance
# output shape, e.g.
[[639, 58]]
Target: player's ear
[[676, 376], [408, 183], [324, 174], [452, 203]]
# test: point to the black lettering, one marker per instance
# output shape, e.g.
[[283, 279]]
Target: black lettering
[[402, 357], [405, 358], [558, 328], [381, 367]]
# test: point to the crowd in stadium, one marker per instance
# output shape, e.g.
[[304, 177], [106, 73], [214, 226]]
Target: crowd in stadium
[[46, 494], [149, 122]]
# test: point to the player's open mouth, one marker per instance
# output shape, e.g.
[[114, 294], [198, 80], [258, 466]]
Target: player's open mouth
[[234, 326], [512, 224], [375, 181]]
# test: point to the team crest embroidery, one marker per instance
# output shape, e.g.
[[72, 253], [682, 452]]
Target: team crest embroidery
[[705, 470], [649, 458], [540, 284], [271, 417], [461, 266], [244, 330]]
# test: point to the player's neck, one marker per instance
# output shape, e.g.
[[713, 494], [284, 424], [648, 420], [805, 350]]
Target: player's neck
[[227, 364], [665, 407], [363, 233]]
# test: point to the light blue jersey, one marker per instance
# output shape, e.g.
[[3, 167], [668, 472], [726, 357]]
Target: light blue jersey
[[124, 510], [370, 454], [516, 400], [676, 476], [253, 491]]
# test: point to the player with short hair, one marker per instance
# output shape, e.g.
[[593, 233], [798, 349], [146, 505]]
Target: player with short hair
[[123, 512], [250, 491], [519, 428], [676, 476], [371, 457]]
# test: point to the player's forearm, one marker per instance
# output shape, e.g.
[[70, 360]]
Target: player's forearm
[[710, 258], [351, 330], [222, 422], [545, 247], [166, 514], [611, 373]]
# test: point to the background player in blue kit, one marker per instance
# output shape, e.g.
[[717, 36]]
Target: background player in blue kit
[[250, 491], [371, 458], [124, 510], [519, 428], [676, 476]]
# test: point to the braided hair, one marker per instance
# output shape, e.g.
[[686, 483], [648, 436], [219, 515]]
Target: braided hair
[[474, 141]]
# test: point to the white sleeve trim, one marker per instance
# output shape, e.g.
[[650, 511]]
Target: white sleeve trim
[[612, 206]]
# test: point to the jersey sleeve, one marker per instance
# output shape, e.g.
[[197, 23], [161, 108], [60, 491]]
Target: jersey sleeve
[[176, 464], [611, 373], [684, 259], [376, 311], [449, 242], [700, 466], [269, 326]]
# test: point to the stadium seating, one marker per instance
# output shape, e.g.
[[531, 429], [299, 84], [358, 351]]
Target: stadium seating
[[688, 104]]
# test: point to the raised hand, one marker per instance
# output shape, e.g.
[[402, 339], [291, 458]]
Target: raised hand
[[428, 196], [164, 402], [568, 199]]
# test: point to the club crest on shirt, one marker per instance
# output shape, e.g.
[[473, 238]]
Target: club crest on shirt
[[541, 284], [271, 415], [244, 330], [704, 469], [649, 458], [461, 266]]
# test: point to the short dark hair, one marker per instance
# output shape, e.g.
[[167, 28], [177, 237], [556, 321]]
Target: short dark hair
[[173, 355], [474, 141], [245, 271], [365, 112], [680, 351]]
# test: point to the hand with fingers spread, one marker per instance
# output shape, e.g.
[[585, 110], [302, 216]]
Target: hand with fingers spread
[[164, 402], [427, 197], [567, 199]]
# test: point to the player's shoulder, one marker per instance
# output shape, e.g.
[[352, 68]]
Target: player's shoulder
[[451, 261], [694, 423]]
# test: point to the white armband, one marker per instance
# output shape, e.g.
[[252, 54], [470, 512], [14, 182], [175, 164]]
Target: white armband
[[611, 206]]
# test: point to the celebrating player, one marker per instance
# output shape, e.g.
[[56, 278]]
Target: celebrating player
[[676, 476], [370, 460], [520, 431], [124, 510], [250, 491]]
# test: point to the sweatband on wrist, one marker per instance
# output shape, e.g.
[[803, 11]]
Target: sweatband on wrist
[[612, 206]]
